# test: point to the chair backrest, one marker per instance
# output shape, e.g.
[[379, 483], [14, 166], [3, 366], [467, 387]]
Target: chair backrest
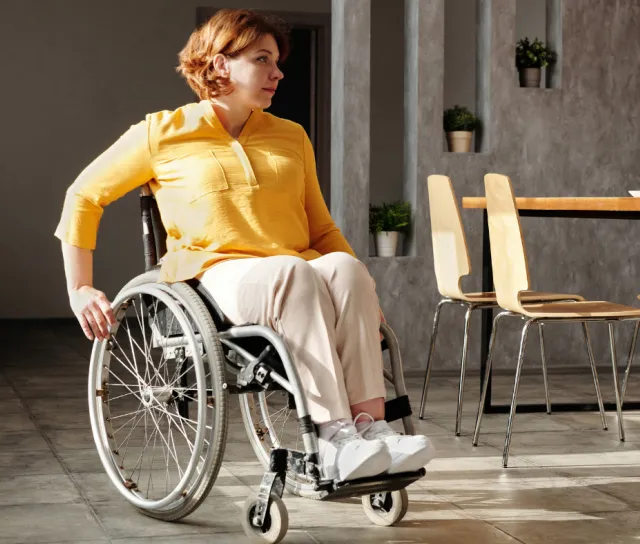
[[450, 254], [508, 256]]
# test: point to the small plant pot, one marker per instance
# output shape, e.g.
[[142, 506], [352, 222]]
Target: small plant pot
[[530, 77], [386, 244], [459, 141]]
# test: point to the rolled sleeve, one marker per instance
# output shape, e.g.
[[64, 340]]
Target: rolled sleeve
[[123, 167]]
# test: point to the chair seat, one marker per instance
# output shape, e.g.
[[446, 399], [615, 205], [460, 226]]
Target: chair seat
[[525, 296], [597, 309]]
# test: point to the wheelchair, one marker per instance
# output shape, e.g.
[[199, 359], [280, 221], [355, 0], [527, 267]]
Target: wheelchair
[[159, 390]]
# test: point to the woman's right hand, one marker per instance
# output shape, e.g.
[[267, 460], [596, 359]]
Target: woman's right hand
[[93, 311]]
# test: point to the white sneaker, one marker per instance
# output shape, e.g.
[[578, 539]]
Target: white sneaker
[[409, 453], [348, 456]]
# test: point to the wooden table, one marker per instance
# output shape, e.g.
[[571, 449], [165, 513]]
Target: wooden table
[[574, 207]]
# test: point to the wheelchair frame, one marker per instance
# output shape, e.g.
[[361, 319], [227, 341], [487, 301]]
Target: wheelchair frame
[[260, 360]]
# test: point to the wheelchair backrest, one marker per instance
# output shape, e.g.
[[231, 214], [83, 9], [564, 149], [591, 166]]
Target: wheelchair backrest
[[154, 236]]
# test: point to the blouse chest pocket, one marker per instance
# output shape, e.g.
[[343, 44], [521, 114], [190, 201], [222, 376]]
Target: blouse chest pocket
[[289, 170], [203, 174]]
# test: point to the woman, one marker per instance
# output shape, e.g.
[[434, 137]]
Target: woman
[[241, 203]]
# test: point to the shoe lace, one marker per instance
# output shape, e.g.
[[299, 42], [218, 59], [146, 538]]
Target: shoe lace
[[349, 433], [380, 431], [371, 422]]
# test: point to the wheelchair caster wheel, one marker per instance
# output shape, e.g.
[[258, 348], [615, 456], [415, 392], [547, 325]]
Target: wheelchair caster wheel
[[386, 508], [276, 522]]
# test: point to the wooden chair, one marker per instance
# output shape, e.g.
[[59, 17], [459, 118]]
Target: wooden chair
[[452, 263], [511, 278], [632, 350]]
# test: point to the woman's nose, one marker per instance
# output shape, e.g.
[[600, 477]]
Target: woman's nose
[[277, 74]]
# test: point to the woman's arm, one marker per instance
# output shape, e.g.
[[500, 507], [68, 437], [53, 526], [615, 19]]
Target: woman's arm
[[120, 169], [90, 306], [324, 236]]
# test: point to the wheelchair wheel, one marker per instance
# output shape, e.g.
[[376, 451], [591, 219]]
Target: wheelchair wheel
[[276, 523], [157, 398], [386, 508], [270, 421]]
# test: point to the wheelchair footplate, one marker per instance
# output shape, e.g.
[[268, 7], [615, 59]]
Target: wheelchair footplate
[[368, 486], [265, 519]]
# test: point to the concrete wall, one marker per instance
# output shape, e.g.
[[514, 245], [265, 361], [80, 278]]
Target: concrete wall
[[578, 140], [87, 70], [104, 66], [77, 74]]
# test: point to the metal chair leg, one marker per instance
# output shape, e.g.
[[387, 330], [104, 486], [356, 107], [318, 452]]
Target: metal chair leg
[[427, 373], [612, 344], [594, 373], [516, 385], [544, 368], [629, 361], [487, 373], [463, 366]]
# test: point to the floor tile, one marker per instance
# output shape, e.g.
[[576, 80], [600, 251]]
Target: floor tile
[[60, 413], [452, 531], [572, 528], [620, 482], [214, 515], [293, 537], [18, 421], [26, 463], [30, 523], [14, 441], [86, 460], [488, 496], [567, 481], [38, 489]]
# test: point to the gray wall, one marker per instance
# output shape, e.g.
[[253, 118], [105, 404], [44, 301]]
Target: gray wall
[[92, 69], [387, 66], [577, 140], [77, 73]]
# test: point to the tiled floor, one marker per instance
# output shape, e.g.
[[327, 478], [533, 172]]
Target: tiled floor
[[568, 481]]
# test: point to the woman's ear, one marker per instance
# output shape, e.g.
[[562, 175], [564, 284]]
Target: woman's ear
[[221, 65]]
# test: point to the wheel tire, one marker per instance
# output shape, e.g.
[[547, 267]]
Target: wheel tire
[[276, 522], [396, 504], [216, 361], [196, 310]]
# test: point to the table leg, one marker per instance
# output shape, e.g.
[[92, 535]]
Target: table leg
[[487, 315]]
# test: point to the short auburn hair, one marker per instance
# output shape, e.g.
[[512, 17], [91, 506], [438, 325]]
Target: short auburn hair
[[229, 32]]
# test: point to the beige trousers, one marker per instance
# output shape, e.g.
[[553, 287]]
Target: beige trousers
[[327, 312]]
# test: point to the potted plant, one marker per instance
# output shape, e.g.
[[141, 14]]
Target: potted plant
[[459, 124], [385, 222], [530, 59]]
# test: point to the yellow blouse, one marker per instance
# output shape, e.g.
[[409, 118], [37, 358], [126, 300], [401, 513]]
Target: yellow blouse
[[219, 198]]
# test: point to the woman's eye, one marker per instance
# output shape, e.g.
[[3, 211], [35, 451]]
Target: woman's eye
[[262, 59]]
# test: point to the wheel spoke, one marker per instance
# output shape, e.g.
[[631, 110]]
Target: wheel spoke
[[147, 390]]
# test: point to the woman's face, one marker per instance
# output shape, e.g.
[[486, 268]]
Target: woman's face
[[255, 74]]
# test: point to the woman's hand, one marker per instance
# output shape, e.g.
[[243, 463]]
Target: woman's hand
[[93, 311]]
